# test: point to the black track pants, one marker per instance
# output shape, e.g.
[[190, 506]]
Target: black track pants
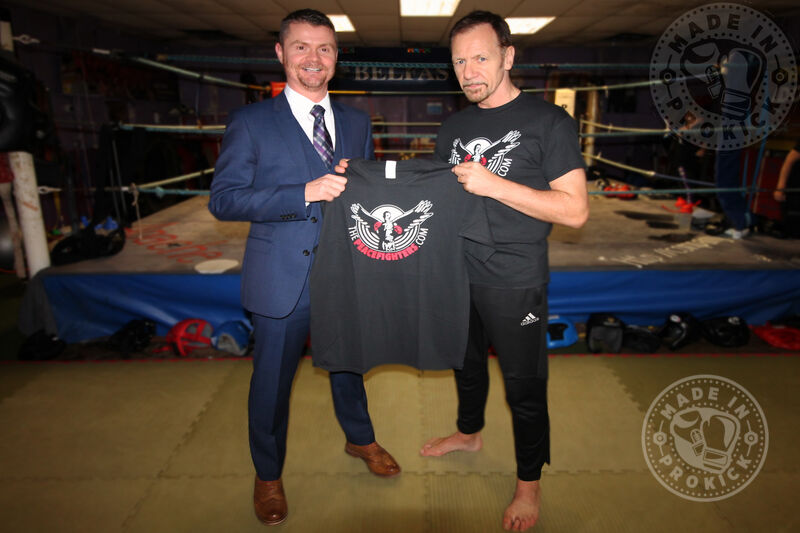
[[514, 322]]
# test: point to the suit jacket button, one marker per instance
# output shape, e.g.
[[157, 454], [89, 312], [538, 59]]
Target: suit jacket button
[[306, 252], [314, 220]]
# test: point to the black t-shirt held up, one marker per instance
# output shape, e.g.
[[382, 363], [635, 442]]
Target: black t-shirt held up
[[389, 282]]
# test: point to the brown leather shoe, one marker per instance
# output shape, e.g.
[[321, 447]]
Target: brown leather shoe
[[378, 460], [270, 502]]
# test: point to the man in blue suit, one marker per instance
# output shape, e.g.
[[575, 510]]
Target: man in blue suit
[[274, 171]]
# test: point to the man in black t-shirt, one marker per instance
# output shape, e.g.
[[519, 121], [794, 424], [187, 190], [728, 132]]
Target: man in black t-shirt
[[521, 155]]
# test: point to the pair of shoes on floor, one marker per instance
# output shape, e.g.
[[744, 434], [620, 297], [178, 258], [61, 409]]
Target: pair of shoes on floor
[[736, 234], [269, 500]]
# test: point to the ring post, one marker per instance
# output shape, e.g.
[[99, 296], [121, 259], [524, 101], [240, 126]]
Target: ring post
[[29, 208]]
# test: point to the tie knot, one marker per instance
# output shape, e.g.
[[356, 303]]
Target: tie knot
[[318, 111]]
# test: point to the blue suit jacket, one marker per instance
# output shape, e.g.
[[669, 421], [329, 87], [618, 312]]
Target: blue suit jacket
[[260, 176]]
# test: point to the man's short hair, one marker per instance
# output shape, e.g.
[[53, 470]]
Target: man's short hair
[[498, 24], [309, 16]]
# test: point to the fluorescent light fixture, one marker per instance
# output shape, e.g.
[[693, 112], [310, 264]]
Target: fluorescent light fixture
[[341, 23], [528, 25], [428, 8]]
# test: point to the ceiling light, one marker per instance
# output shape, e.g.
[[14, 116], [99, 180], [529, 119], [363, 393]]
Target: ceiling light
[[428, 8], [528, 25], [341, 23]]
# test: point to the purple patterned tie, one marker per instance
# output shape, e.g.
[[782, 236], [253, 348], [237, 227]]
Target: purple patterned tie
[[322, 140]]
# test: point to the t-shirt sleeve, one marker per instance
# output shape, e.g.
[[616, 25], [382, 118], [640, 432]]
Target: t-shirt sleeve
[[563, 151]]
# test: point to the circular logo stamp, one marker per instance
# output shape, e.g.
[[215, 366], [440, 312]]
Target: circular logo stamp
[[705, 438], [723, 76]]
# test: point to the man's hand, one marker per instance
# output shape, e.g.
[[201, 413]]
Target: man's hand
[[325, 188], [779, 196], [476, 179], [341, 167]]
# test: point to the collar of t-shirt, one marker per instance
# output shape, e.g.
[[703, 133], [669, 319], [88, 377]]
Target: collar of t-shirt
[[301, 109]]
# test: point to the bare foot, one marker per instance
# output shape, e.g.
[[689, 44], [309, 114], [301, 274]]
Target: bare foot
[[523, 511], [456, 442]]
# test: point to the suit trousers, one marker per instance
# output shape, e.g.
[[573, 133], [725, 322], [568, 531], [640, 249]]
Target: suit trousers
[[514, 322], [279, 345]]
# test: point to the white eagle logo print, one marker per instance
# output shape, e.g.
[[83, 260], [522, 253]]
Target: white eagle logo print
[[490, 154], [380, 233]]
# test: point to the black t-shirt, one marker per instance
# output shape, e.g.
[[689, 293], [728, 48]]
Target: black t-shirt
[[389, 283], [528, 141]]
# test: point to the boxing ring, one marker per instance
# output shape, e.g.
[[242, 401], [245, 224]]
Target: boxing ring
[[637, 258], [629, 260]]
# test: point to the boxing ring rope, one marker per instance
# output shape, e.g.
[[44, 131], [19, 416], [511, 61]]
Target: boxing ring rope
[[177, 179], [388, 64], [611, 127], [648, 173], [158, 191], [155, 188], [603, 134], [144, 187], [381, 123], [198, 75], [379, 64], [218, 129], [610, 87], [401, 151]]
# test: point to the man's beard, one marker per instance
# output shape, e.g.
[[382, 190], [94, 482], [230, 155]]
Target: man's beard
[[477, 94]]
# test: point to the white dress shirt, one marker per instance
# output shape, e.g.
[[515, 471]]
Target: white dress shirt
[[301, 109]]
